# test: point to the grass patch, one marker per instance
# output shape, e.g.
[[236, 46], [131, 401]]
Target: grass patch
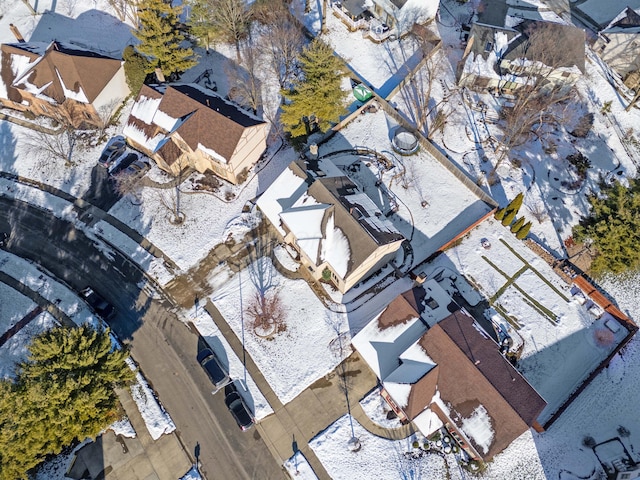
[[540, 276]]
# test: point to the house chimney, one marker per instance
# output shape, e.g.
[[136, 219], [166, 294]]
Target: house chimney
[[160, 75], [208, 103], [16, 33]]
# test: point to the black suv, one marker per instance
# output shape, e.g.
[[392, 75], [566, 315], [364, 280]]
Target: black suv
[[212, 366], [238, 408], [99, 304]]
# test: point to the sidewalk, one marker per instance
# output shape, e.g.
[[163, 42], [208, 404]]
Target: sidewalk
[[140, 458]]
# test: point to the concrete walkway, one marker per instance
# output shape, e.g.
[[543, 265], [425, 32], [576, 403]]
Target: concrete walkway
[[39, 300], [140, 458]]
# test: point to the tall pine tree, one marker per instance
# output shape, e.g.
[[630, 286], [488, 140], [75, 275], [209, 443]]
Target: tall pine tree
[[63, 392], [160, 39], [614, 228], [317, 98]]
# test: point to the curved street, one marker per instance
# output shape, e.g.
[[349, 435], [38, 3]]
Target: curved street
[[163, 346]]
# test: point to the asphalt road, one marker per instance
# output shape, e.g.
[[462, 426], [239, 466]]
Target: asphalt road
[[164, 347]]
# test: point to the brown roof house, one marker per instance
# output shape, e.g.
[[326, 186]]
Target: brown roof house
[[506, 58], [619, 44], [338, 231], [62, 81], [450, 375], [182, 126]]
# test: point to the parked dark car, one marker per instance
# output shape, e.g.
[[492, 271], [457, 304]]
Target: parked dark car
[[137, 167], [99, 304], [116, 146], [238, 408], [122, 163], [213, 368]]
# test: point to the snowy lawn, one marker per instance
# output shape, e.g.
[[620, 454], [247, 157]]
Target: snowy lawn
[[298, 468], [15, 350], [300, 354], [214, 338], [563, 341], [210, 218], [12, 312], [378, 457], [377, 409]]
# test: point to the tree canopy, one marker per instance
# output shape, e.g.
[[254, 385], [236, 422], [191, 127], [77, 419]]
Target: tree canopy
[[135, 69], [62, 393], [613, 227], [317, 96], [160, 38]]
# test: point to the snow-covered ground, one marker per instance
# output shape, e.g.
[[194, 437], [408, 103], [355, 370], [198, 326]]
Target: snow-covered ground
[[377, 457], [299, 354]]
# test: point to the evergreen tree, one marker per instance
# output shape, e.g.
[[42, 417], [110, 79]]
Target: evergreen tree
[[516, 203], [614, 228], [135, 69], [160, 38], [524, 231], [63, 392], [200, 22], [518, 225], [317, 100], [508, 218], [500, 213]]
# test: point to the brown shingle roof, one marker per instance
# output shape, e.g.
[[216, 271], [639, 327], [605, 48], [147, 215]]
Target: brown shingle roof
[[78, 69], [473, 373], [402, 309], [216, 124]]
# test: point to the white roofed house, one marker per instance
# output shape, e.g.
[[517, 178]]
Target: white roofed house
[[508, 57], [62, 81], [383, 18], [184, 125], [340, 234], [619, 45]]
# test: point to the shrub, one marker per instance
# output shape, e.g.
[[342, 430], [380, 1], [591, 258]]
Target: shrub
[[524, 231], [508, 218], [518, 225]]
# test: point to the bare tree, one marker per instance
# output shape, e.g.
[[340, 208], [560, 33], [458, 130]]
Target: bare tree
[[170, 197], [232, 19], [281, 38], [126, 9], [246, 89], [127, 183], [106, 114], [416, 91], [531, 110], [46, 144], [266, 313]]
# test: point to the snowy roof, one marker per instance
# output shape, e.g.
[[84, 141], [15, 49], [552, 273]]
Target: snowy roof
[[204, 120], [330, 218], [56, 71], [627, 21], [495, 44]]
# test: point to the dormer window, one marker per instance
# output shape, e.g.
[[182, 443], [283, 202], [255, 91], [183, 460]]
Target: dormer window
[[488, 47]]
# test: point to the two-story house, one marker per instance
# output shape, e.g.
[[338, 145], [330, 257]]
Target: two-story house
[[62, 81], [186, 126]]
